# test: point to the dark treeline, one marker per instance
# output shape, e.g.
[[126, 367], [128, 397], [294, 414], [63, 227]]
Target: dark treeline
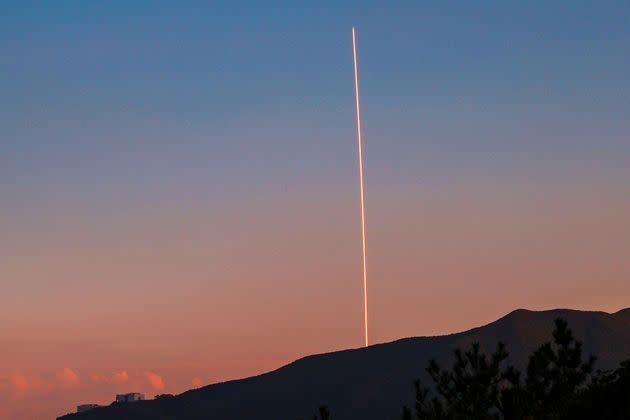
[[559, 383], [324, 413]]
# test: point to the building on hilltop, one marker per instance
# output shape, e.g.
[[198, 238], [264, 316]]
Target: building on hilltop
[[131, 397]]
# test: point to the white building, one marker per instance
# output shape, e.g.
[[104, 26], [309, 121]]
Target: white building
[[131, 397]]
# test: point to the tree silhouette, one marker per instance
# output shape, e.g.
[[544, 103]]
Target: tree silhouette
[[607, 397], [481, 387], [470, 389], [556, 371], [324, 413]]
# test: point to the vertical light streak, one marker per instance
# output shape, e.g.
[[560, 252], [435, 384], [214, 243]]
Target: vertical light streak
[[363, 255]]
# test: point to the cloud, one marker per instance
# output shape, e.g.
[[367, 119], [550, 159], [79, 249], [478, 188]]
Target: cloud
[[68, 377], [196, 382], [116, 378], [155, 380], [19, 385], [19, 382], [120, 377], [100, 378]]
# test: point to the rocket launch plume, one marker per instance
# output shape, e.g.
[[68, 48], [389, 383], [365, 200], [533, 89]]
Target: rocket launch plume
[[363, 255]]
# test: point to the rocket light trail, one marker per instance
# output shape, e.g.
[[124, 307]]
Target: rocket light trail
[[363, 255]]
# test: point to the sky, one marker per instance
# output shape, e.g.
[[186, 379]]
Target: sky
[[179, 182]]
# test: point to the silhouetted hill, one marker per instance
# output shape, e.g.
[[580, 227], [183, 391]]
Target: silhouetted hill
[[374, 382]]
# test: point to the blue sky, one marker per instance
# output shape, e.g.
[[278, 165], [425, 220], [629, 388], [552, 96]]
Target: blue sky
[[89, 81], [114, 100]]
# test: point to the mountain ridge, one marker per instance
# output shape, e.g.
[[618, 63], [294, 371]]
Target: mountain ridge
[[374, 382]]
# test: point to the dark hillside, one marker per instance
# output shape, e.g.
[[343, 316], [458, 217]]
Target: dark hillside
[[374, 382]]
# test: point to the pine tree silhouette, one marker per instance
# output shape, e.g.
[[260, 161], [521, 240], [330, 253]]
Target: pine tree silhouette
[[481, 387], [555, 372], [470, 389]]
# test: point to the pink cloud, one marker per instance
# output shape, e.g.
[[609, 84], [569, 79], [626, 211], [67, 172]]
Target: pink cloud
[[99, 378], [155, 380], [19, 382], [68, 377], [116, 378], [19, 385], [196, 382], [120, 377]]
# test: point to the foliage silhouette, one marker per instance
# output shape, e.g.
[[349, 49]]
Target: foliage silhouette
[[556, 372], [559, 384], [324, 413], [607, 397], [471, 389]]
